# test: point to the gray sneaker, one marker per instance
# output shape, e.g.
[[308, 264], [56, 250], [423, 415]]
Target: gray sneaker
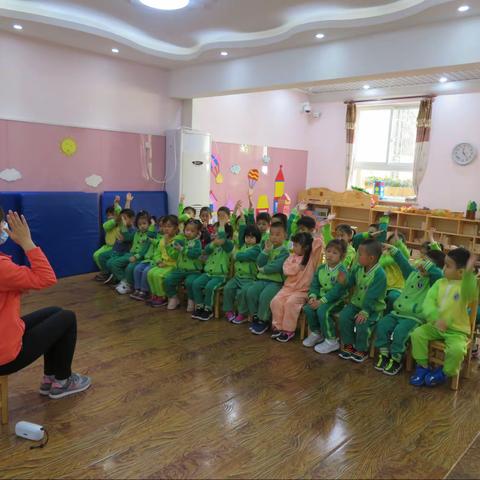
[[74, 384], [46, 384]]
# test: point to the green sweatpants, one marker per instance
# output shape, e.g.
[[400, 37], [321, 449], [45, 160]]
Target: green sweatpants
[[455, 347], [393, 333], [128, 275], [233, 290], [259, 295], [104, 258], [175, 277], [321, 320], [117, 265], [96, 254], [204, 288], [354, 334], [156, 280]]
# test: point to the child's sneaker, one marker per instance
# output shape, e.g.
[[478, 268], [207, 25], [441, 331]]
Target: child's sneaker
[[418, 378], [435, 377], [100, 277], [158, 302], [328, 346], [313, 339], [173, 303], [230, 316], [198, 313], [190, 306], [475, 351], [392, 368], [276, 333], [74, 384], [46, 384], [138, 295], [381, 362], [109, 279], [255, 320], [123, 288], [346, 352], [284, 337], [258, 328], [206, 315], [359, 356], [239, 319]]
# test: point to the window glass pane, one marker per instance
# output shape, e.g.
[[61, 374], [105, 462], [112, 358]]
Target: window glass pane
[[371, 137], [403, 135], [397, 184]]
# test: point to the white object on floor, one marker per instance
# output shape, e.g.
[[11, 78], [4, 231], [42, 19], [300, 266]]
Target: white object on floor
[[30, 431], [190, 306], [173, 303], [313, 339], [327, 346]]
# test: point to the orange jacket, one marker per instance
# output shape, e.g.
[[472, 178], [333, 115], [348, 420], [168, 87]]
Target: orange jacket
[[14, 280]]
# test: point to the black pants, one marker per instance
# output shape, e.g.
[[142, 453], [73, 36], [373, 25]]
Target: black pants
[[51, 332]]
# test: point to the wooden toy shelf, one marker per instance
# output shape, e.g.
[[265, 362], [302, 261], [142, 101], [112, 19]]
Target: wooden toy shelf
[[353, 208]]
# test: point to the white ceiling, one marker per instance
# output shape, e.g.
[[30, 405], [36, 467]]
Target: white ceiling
[[196, 34]]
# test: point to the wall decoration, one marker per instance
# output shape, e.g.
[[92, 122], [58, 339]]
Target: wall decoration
[[10, 175], [215, 169], [284, 204], [244, 148], [279, 188], [262, 204], [266, 159], [94, 180], [68, 146], [235, 169], [253, 176], [213, 201]]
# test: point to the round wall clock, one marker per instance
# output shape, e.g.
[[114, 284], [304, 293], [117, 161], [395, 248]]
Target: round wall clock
[[68, 146], [464, 153]]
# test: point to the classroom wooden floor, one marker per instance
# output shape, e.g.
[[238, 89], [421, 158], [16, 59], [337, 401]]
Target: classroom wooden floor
[[176, 398]]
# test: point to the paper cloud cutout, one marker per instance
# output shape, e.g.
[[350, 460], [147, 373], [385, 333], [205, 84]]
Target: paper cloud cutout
[[235, 169], [10, 175], [94, 180]]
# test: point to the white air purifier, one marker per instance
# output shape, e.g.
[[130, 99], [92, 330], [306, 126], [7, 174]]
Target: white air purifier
[[188, 168]]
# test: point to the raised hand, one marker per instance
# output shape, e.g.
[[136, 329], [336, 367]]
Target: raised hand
[[116, 199], [268, 245], [182, 198], [19, 231], [471, 263], [129, 197]]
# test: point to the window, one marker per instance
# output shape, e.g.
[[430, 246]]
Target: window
[[384, 149]]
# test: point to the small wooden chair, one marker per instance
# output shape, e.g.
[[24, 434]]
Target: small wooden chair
[[217, 309], [4, 399], [436, 350], [302, 323]]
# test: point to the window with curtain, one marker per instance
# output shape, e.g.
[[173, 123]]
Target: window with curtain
[[384, 149]]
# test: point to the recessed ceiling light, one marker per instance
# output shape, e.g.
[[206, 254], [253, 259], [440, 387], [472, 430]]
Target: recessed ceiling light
[[366, 87], [320, 36], [223, 54], [17, 27], [115, 50], [166, 4], [463, 8], [443, 79]]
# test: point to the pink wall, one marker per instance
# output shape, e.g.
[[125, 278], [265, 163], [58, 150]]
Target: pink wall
[[235, 187], [33, 149]]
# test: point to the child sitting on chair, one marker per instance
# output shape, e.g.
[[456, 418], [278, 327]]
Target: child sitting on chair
[[325, 298], [298, 270], [446, 311], [359, 317]]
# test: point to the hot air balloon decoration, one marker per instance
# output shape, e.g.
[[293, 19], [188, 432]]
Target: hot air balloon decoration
[[215, 169], [253, 176]]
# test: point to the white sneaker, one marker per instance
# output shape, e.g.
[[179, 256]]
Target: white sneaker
[[190, 306], [327, 346], [123, 288], [173, 303], [313, 339]]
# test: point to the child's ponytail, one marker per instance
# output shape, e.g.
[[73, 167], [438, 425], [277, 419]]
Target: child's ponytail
[[306, 241]]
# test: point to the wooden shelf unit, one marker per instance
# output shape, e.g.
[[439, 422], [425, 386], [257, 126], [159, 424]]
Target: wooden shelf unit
[[353, 208]]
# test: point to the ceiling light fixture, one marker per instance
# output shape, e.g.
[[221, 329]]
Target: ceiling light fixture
[[115, 50], [366, 87], [17, 27], [463, 8], [443, 79], [320, 36], [165, 4], [224, 54]]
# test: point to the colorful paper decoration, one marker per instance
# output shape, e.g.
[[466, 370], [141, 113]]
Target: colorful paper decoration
[[279, 189], [253, 176], [215, 169], [262, 204], [244, 148], [10, 175], [266, 159], [68, 146], [94, 180], [284, 204], [235, 169], [219, 178], [213, 201]]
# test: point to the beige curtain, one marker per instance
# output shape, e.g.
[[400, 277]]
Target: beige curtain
[[350, 122], [424, 124]]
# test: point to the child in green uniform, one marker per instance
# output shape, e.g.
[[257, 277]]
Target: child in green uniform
[[164, 261], [359, 317], [245, 272], [269, 279], [324, 298], [446, 311], [120, 251], [189, 266], [342, 232], [216, 269], [141, 241], [393, 330], [263, 222], [185, 213]]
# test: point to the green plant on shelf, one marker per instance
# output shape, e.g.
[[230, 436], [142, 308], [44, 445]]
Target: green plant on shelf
[[471, 206], [389, 182]]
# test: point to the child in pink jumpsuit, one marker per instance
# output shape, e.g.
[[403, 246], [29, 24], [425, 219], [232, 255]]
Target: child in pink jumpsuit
[[298, 270]]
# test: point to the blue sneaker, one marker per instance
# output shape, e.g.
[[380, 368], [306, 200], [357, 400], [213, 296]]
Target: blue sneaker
[[258, 328], [418, 378], [435, 377]]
